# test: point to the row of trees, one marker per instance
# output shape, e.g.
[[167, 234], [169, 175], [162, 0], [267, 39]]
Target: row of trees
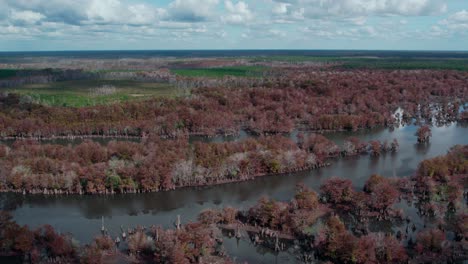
[[334, 225], [23, 77], [48, 75], [157, 164], [316, 100]]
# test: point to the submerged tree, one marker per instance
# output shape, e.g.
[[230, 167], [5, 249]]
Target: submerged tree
[[423, 134]]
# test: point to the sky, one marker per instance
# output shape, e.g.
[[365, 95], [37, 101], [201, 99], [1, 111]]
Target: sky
[[40, 25]]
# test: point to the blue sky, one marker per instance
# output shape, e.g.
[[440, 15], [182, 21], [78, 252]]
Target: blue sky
[[230, 24]]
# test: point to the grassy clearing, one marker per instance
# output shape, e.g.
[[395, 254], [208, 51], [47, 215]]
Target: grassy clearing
[[243, 71], [88, 93]]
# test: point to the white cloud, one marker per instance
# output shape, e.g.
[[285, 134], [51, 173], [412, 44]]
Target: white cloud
[[263, 34], [460, 17], [280, 8], [83, 12], [28, 17], [192, 10], [104, 11], [118, 12], [173, 25], [456, 23], [356, 20], [355, 8], [65, 11], [237, 13], [196, 21], [329, 30], [12, 30]]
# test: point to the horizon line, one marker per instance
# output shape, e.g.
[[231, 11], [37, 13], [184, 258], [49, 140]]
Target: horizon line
[[107, 50]]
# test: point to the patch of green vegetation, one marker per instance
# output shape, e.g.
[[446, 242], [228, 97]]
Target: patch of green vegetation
[[7, 73], [93, 92], [243, 71], [113, 182]]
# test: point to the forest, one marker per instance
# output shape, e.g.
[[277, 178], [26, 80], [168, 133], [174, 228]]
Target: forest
[[293, 99], [143, 125], [335, 224], [156, 164], [297, 98]]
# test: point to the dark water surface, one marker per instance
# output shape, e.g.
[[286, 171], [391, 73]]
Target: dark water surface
[[81, 215]]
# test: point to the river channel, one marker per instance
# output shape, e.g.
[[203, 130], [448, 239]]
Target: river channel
[[81, 215]]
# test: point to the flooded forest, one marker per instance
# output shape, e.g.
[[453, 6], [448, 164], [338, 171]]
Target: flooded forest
[[233, 157]]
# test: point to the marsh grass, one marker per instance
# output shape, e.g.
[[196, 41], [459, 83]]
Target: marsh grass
[[80, 93]]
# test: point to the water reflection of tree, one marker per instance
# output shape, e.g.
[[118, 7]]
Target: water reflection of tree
[[422, 149], [10, 201]]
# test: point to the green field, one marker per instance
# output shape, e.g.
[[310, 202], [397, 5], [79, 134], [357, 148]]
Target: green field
[[89, 93], [242, 71]]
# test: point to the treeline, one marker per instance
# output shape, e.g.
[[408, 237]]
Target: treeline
[[155, 164], [338, 224], [316, 100], [23, 77]]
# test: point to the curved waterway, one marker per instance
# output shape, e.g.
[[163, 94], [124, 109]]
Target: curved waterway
[[81, 215]]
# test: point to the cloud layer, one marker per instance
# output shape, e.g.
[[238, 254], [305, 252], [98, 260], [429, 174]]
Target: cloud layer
[[131, 24]]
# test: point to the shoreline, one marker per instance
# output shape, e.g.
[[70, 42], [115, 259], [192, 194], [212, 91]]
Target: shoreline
[[251, 178], [247, 131]]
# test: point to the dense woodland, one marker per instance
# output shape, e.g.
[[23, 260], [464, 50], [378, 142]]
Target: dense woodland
[[44, 76], [334, 225], [287, 99], [156, 164], [297, 98]]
